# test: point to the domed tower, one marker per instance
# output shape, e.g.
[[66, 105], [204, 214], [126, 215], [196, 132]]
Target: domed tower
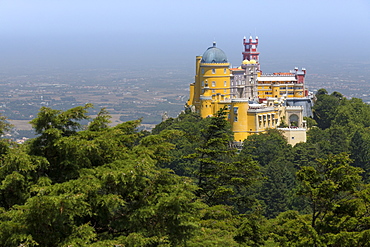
[[212, 81]]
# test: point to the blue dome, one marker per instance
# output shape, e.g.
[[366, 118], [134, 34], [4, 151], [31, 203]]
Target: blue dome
[[214, 55]]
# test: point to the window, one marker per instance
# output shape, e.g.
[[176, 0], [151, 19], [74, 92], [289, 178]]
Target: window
[[225, 83], [213, 71], [224, 71], [213, 83], [202, 71], [202, 83], [225, 91], [213, 91]]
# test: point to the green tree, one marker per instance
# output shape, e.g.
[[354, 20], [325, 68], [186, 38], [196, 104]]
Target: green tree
[[293, 229], [273, 153], [360, 147], [310, 122], [321, 91], [4, 125], [338, 139], [328, 186], [276, 189], [218, 227], [18, 172], [306, 154], [325, 109], [333, 140], [352, 115], [266, 147], [251, 230], [101, 121], [190, 124], [220, 176], [52, 125], [117, 195]]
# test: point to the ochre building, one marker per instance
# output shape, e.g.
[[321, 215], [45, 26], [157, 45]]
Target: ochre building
[[255, 101]]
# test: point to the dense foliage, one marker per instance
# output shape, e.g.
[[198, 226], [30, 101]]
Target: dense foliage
[[185, 184]]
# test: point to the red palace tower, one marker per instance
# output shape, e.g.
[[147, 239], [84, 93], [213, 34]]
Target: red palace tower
[[250, 50]]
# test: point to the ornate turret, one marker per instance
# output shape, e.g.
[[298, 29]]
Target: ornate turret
[[250, 50]]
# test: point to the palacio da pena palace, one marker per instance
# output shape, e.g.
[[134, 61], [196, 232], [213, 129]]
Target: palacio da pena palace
[[255, 101]]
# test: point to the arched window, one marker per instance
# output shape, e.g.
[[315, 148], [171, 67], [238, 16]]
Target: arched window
[[293, 120]]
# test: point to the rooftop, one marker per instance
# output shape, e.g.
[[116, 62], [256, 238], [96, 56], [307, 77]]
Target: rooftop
[[214, 55]]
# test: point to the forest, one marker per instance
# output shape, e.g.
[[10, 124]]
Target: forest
[[185, 184]]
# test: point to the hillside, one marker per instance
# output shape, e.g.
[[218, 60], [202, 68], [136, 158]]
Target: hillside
[[183, 183]]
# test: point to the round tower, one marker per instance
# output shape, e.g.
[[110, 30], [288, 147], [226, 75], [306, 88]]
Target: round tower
[[239, 119], [212, 78]]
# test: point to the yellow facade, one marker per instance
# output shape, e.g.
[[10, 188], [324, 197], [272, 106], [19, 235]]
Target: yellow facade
[[289, 85], [239, 120], [216, 76], [213, 90], [247, 119], [287, 89]]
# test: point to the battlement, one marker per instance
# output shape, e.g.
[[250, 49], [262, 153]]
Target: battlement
[[294, 107], [250, 41], [278, 74]]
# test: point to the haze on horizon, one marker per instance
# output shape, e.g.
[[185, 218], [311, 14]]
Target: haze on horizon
[[148, 34]]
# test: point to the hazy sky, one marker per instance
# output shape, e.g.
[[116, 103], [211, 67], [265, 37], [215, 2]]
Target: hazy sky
[[148, 33]]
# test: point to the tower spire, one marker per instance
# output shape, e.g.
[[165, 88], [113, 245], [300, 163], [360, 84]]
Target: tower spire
[[250, 50]]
